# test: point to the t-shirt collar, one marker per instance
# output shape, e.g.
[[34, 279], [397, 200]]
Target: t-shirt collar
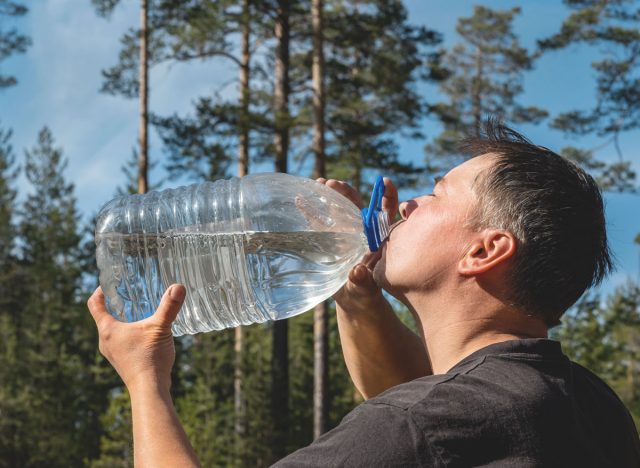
[[542, 347]]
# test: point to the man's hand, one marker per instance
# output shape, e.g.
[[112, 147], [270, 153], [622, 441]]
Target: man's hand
[[361, 285], [143, 354], [141, 351], [379, 350]]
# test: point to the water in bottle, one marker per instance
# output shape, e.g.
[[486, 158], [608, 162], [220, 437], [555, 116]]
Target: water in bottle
[[264, 247]]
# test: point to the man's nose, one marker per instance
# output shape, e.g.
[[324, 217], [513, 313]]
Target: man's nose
[[406, 208]]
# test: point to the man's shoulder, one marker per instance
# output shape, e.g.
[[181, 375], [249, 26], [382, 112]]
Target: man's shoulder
[[428, 389], [591, 391], [500, 378], [407, 395]]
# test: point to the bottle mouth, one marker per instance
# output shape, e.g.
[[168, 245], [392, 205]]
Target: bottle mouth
[[393, 227]]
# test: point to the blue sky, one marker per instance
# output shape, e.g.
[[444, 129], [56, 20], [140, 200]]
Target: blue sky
[[59, 78]]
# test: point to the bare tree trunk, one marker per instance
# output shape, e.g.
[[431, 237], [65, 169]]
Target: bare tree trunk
[[243, 156], [243, 169], [143, 161], [321, 312], [280, 360], [476, 94]]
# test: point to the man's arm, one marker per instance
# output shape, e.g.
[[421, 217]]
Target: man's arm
[[143, 354], [379, 350]]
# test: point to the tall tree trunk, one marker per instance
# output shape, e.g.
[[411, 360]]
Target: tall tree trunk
[[243, 169], [280, 360], [476, 94], [243, 156], [143, 162], [321, 312]]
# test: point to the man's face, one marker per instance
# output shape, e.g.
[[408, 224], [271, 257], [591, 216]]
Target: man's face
[[424, 249]]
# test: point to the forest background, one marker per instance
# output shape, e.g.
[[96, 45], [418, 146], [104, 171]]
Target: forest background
[[345, 88]]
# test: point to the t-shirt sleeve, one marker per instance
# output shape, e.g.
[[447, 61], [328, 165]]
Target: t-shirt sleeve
[[373, 434]]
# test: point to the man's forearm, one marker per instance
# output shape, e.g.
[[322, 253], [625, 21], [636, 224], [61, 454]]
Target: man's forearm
[[379, 350], [158, 437]]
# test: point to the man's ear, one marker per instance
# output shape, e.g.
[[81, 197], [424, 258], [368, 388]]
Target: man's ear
[[492, 247]]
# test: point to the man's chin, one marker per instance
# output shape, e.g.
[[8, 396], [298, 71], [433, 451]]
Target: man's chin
[[379, 274]]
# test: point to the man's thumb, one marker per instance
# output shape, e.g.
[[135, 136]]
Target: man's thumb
[[170, 304], [362, 278]]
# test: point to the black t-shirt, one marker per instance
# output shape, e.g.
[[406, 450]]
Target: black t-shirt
[[520, 403]]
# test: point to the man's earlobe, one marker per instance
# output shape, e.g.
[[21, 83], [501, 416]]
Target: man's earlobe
[[491, 248]]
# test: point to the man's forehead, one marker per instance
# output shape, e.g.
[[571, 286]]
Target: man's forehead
[[467, 172]]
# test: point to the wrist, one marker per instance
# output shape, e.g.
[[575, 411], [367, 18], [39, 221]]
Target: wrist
[[372, 318], [146, 384], [361, 304]]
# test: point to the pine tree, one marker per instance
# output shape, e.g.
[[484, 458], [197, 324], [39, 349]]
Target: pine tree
[[13, 406], [200, 147], [11, 41], [130, 170], [8, 173], [58, 390], [206, 406], [486, 71], [105, 8], [374, 60], [612, 27], [116, 444]]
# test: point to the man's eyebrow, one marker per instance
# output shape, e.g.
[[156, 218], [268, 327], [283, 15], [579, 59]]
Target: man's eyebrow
[[438, 180]]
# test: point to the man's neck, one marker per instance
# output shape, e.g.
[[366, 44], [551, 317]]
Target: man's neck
[[453, 331]]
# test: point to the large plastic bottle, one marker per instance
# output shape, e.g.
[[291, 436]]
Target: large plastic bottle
[[263, 247]]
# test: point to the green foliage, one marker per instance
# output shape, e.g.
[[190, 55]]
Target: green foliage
[[206, 408], [178, 30], [612, 27], [486, 71], [61, 404], [374, 61], [50, 394], [253, 448], [605, 338], [116, 444], [300, 381], [130, 171], [11, 42], [13, 405], [7, 197], [202, 147]]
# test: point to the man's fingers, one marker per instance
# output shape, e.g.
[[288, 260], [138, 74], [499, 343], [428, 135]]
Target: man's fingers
[[390, 199], [170, 304], [371, 259], [346, 190], [98, 309], [362, 277]]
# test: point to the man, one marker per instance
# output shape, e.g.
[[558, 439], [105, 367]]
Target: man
[[487, 263]]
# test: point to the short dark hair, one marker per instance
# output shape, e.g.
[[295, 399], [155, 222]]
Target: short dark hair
[[555, 211]]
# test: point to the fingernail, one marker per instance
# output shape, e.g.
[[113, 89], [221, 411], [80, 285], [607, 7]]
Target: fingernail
[[177, 293]]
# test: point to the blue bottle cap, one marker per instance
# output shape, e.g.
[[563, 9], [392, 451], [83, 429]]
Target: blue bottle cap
[[376, 224]]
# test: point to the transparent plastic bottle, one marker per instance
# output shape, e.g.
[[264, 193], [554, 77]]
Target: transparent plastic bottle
[[263, 247]]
